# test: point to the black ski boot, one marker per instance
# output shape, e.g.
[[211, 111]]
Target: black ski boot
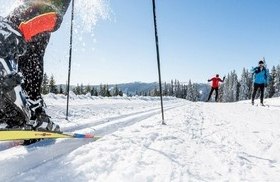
[[39, 119]]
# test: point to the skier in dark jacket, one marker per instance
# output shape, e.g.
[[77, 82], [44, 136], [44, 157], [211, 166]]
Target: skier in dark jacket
[[35, 20], [260, 76], [215, 86]]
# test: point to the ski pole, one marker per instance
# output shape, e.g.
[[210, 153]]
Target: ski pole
[[158, 61], [70, 58]]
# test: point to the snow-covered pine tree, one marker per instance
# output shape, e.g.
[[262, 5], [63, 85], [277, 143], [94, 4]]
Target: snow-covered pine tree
[[77, 90], [277, 82], [120, 93], [195, 92], [165, 89], [101, 90], [245, 85], [270, 89], [82, 89], [107, 91], [190, 92], [221, 93], [177, 88], [231, 88], [60, 90], [185, 91], [93, 92], [172, 89], [226, 87], [45, 84], [53, 88], [87, 89], [116, 91], [235, 86]]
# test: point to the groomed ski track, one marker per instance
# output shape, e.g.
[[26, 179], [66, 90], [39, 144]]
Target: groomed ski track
[[201, 142], [28, 158]]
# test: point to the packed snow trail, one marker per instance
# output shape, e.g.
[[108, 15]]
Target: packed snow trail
[[243, 140], [38, 154], [201, 142]]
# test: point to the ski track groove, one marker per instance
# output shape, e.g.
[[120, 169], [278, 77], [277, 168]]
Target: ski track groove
[[7, 145], [39, 153], [111, 119]]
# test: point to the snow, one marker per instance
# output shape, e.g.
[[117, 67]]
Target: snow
[[201, 142]]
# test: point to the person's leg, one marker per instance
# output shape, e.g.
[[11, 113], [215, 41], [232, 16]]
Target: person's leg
[[212, 89], [262, 93], [217, 94], [254, 92], [34, 20], [32, 67]]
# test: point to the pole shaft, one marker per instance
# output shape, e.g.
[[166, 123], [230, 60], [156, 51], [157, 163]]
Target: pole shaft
[[158, 60], [70, 58]]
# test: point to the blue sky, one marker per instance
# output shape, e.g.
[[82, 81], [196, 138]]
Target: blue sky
[[198, 38]]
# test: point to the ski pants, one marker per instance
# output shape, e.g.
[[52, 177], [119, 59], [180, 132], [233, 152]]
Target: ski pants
[[36, 20], [216, 92], [256, 87], [31, 65]]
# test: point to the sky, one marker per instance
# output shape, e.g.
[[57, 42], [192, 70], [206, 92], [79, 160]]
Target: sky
[[197, 39]]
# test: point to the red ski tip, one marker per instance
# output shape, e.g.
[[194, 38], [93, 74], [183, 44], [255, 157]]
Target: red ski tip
[[89, 135]]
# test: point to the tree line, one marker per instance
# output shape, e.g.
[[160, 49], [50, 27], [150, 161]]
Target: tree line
[[233, 89], [49, 86]]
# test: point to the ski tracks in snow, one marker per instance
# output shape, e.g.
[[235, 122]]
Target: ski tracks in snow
[[244, 146], [29, 159], [154, 153], [206, 142]]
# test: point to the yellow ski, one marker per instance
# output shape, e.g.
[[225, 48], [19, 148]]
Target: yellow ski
[[6, 135]]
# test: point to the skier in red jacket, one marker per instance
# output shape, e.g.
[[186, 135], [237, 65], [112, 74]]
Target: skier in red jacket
[[215, 86], [29, 27]]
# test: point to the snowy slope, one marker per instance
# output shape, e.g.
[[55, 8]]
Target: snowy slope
[[201, 142]]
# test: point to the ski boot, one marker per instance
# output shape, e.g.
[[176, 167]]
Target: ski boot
[[39, 119]]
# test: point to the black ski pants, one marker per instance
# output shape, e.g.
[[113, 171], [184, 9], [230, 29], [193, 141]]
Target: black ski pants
[[256, 87], [216, 92], [31, 65]]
